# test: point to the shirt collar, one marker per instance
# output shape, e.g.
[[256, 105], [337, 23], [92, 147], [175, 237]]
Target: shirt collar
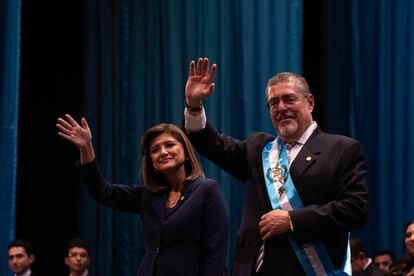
[[305, 136], [27, 273], [85, 273]]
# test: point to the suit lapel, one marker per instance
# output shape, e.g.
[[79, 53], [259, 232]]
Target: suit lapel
[[160, 203], [307, 156]]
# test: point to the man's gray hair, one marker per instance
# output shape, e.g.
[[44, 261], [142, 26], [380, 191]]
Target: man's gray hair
[[299, 81]]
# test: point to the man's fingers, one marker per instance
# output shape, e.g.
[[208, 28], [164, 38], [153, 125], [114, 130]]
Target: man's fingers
[[198, 67], [213, 69], [192, 68], [262, 231], [261, 223], [263, 226], [211, 73], [267, 236], [204, 68]]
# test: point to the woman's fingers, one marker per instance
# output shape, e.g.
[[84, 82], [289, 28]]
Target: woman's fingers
[[64, 124], [71, 120], [63, 129]]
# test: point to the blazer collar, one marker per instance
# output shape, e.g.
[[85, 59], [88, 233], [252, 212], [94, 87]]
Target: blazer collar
[[307, 156], [161, 200]]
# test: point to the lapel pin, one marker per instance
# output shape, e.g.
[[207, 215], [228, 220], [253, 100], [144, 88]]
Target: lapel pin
[[308, 158]]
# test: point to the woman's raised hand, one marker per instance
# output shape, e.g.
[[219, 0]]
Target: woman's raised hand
[[79, 135]]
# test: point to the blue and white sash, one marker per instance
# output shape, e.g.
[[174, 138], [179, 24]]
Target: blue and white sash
[[313, 257]]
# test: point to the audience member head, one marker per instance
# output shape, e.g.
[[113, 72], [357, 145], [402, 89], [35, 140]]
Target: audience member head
[[359, 257], [409, 238], [21, 256], [155, 180], [384, 259], [78, 257]]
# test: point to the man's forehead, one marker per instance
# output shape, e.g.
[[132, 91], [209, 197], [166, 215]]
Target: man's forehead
[[382, 258], [17, 250], [77, 249], [283, 87]]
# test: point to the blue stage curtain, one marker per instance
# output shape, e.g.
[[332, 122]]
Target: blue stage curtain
[[10, 11], [368, 94], [137, 55], [383, 114]]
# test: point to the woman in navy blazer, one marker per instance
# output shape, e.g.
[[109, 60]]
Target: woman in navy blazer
[[184, 218]]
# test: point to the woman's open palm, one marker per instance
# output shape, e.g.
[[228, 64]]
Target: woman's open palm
[[69, 129]]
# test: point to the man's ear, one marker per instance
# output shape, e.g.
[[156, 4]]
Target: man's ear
[[361, 255], [31, 258], [311, 101]]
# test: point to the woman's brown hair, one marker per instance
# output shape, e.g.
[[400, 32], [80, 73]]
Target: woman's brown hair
[[155, 181], [406, 262]]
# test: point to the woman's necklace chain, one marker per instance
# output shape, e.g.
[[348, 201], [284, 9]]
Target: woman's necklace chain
[[173, 198]]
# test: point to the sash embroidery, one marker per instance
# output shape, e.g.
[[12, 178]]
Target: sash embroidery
[[283, 195]]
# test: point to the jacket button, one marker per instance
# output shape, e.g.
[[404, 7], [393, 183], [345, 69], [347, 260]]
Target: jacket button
[[157, 251]]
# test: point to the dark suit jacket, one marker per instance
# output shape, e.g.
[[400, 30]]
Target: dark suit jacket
[[332, 186], [190, 239]]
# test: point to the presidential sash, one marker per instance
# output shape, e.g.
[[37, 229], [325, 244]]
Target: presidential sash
[[313, 257]]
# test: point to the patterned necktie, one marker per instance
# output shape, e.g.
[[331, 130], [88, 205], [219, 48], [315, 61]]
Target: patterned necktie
[[289, 146], [259, 260]]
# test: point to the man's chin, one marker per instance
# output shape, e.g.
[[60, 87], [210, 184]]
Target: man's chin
[[287, 130], [17, 271]]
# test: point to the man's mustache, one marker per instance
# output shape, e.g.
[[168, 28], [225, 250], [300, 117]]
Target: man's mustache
[[284, 114]]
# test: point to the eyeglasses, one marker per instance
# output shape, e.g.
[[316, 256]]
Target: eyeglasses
[[76, 254], [287, 100]]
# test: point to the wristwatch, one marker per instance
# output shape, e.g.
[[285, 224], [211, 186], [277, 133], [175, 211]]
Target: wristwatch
[[194, 109]]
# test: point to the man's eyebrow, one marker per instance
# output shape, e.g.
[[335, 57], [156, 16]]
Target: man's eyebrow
[[16, 255]]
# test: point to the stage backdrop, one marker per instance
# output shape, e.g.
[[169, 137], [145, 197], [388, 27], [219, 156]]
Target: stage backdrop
[[367, 93], [383, 86], [137, 56], [10, 11], [137, 59]]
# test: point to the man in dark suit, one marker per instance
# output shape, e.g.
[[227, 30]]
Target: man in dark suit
[[21, 257], [305, 189], [78, 258], [362, 265]]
